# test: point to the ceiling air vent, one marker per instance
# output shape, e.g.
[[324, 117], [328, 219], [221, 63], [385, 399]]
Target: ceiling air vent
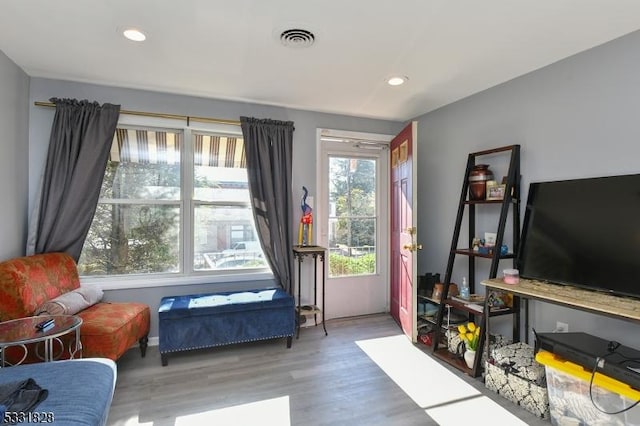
[[296, 37]]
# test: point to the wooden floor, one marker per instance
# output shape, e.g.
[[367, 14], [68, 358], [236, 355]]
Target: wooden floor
[[319, 381]]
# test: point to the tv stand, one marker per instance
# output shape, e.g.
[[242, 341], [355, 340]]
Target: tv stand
[[619, 307]]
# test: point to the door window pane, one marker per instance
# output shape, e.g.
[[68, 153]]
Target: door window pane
[[352, 217]]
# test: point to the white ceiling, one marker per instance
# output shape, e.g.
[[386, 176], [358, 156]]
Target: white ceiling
[[230, 49]]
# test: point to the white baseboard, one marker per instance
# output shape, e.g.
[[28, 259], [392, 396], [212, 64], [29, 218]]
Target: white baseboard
[[153, 341]]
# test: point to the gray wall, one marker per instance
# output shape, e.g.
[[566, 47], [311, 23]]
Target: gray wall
[[14, 146], [304, 167], [575, 118]]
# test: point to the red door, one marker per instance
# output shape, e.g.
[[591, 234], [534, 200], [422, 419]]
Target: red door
[[403, 230]]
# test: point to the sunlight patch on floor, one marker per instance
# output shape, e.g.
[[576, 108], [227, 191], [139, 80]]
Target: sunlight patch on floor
[[443, 394], [134, 421], [267, 412], [422, 378], [474, 410]]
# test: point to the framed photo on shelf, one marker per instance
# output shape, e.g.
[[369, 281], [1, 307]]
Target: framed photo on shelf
[[496, 191], [490, 238]]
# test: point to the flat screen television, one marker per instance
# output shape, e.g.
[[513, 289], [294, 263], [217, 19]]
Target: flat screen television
[[585, 233]]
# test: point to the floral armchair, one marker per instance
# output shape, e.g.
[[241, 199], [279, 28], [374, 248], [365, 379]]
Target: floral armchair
[[108, 329]]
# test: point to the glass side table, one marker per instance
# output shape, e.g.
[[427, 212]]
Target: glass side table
[[23, 331]]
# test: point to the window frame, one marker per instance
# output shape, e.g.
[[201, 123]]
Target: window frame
[[186, 275]]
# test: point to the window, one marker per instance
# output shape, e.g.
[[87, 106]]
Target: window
[[170, 208], [352, 216]]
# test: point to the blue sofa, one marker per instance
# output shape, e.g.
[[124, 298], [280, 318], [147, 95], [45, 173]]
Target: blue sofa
[[206, 320], [79, 392]]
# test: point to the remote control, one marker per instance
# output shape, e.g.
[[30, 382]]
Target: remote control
[[45, 324]]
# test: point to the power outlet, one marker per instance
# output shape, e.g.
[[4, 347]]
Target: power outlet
[[562, 327]]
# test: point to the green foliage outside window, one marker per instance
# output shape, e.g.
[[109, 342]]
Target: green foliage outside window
[[352, 221], [340, 265], [134, 238], [353, 190]]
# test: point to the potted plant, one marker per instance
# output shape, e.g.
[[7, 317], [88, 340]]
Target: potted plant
[[470, 335]]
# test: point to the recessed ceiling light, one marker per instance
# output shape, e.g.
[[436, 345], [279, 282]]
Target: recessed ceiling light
[[134, 34], [396, 81]]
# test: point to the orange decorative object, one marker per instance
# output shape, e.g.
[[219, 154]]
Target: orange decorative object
[[305, 229]]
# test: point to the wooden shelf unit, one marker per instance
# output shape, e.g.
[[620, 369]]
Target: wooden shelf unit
[[469, 252], [509, 203]]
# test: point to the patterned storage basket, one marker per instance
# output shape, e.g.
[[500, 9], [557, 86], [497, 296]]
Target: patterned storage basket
[[454, 343], [516, 375]]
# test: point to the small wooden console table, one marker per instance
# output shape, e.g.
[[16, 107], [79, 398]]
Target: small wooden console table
[[619, 307], [316, 252]]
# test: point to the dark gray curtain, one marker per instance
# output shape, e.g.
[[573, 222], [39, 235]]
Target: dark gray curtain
[[81, 137], [269, 146]]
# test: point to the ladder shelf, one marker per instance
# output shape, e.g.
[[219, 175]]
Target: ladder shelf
[[481, 314]]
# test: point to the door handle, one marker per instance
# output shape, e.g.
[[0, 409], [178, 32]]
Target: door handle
[[413, 246]]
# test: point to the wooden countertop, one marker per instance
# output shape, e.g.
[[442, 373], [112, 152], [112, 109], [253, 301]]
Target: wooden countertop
[[593, 301]]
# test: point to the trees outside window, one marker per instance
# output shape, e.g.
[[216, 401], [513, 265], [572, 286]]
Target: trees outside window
[[352, 218]]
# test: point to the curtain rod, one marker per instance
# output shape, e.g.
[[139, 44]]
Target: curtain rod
[[187, 118]]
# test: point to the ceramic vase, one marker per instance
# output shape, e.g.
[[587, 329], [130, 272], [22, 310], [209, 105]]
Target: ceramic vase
[[469, 357], [478, 178]]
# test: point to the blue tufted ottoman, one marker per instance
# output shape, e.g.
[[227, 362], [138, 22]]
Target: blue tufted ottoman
[[205, 320]]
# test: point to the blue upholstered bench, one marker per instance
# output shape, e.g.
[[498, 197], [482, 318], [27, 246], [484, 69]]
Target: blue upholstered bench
[[206, 320]]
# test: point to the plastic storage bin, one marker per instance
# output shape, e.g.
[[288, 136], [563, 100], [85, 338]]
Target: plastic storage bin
[[569, 400]]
